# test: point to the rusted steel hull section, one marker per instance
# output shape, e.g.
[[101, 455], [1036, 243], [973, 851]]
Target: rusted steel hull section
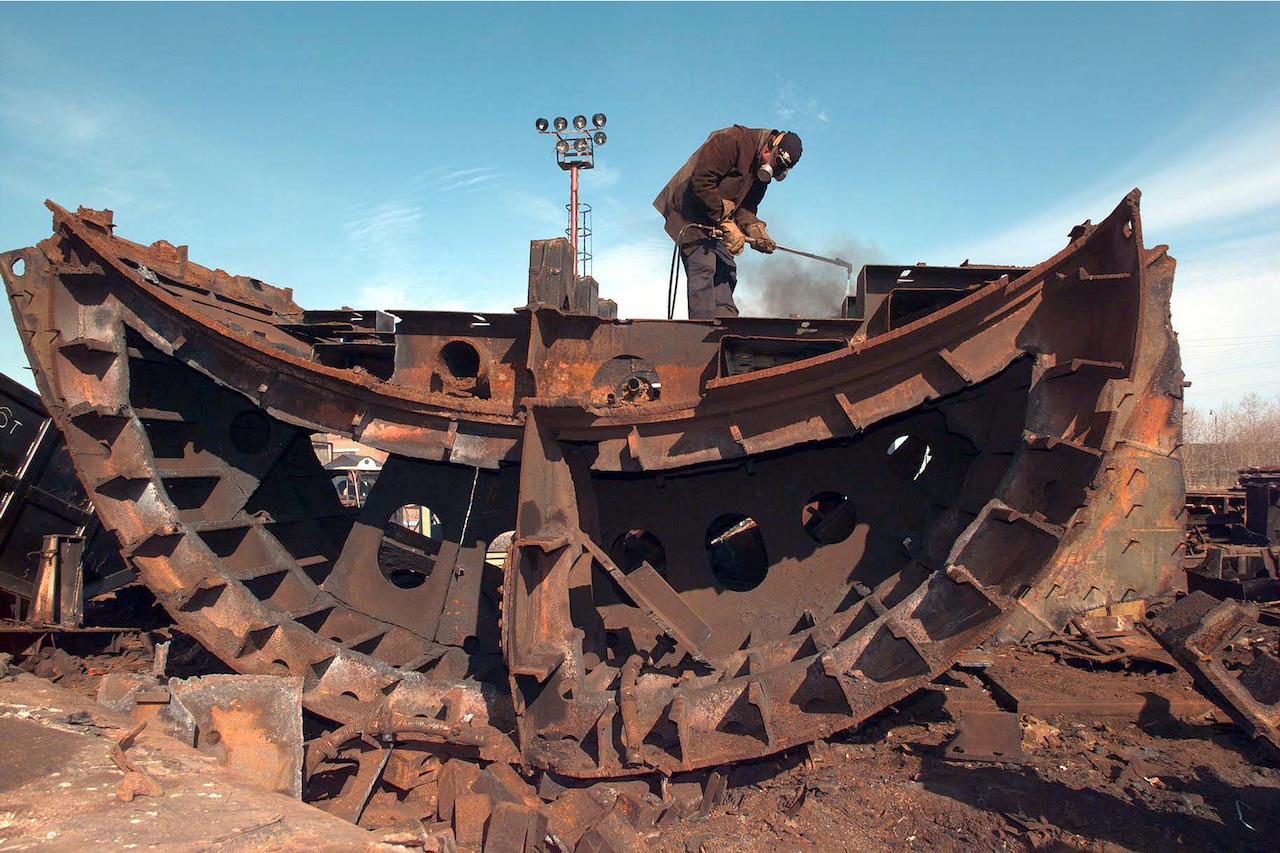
[[728, 538]]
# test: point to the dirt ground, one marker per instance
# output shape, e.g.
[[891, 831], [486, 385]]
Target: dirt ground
[[1101, 784], [1151, 765]]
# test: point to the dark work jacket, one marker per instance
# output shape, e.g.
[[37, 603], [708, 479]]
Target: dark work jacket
[[723, 168]]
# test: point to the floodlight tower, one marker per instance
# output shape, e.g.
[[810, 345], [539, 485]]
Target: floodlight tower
[[575, 149]]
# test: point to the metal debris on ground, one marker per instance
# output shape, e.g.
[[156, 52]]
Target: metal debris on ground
[[984, 731], [1200, 632], [78, 776], [251, 723], [136, 783]]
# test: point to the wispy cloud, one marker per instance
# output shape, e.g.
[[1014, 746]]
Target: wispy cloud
[[397, 252], [87, 135], [380, 227], [1232, 176], [67, 124], [1217, 204], [602, 178], [444, 179], [1222, 180], [635, 276], [793, 106], [78, 139], [1229, 339], [387, 241], [545, 213], [394, 293]]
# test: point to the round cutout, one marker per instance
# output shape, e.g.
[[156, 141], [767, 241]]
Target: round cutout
[[410, 543], [735, 549], [460, 360], [636, 547], [908, 457], [828, 518]]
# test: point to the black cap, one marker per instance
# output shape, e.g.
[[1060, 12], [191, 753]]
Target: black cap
[[789, 150]]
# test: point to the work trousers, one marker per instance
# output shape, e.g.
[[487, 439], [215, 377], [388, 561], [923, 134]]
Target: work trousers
[[712, 275]]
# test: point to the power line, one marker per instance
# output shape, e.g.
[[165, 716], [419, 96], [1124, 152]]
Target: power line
[[1228, 338], [1222, 371], [1216, 389]]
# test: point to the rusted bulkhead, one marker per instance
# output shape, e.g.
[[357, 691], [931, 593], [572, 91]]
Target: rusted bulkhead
[[728, 537]]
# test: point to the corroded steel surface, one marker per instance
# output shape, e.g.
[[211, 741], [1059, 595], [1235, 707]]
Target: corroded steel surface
[[1199, 631], [730, 537]]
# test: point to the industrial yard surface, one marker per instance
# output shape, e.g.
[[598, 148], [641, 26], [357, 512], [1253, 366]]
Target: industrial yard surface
[[1114, 758]]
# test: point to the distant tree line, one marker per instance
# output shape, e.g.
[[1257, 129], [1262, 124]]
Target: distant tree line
[[1218, 442]]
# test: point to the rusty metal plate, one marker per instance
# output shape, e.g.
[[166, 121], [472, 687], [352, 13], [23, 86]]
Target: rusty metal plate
[[986, 736], [251, 724]]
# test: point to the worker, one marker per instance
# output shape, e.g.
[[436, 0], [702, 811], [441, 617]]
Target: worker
[[710, 209]]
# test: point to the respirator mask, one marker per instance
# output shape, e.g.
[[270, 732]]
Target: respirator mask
[[775, 168], [771, 169]]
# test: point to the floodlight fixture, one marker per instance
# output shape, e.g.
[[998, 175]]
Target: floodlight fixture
[[575, 150]]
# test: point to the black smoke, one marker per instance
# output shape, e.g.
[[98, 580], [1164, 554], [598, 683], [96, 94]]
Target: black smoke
[[786, 285]]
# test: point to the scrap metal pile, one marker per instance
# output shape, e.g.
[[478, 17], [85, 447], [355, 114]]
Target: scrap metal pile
[[1233, 538], [727, 537], [46, 520]]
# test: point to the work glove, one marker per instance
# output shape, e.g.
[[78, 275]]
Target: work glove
[[726, 209], [734, 240], [760, 239]]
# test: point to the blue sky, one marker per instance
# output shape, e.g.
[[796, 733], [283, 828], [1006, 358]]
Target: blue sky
[[384, 156]]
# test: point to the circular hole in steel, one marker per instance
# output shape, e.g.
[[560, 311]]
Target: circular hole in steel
[[281, 667], [496, 553], [19, 267], [735, 549], [626, 379], [410, 544], [460, 360], [353, 487], [636, 547], [828, 518], [250, 432], [908, 457]]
